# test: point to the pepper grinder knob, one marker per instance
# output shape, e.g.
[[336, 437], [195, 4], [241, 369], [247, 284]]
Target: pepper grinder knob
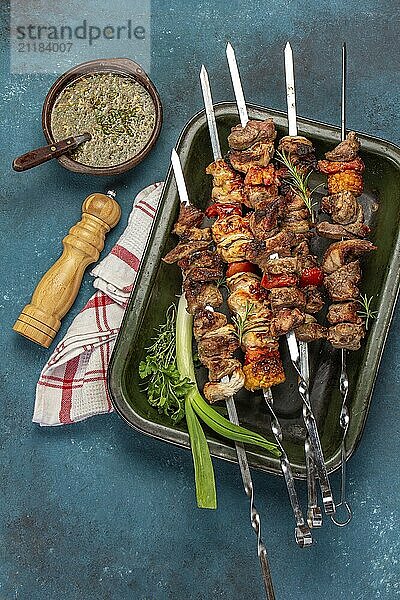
[[55, 293]]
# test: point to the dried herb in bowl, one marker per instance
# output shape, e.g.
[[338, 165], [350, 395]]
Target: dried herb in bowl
[[116, 110]]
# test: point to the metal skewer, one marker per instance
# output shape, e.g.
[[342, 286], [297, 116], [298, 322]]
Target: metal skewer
[[344, 418], [255, 518], [314, 513], [302, 532]]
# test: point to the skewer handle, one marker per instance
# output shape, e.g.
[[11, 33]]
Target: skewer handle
[[54, 295], [254, 514], [302, 532]]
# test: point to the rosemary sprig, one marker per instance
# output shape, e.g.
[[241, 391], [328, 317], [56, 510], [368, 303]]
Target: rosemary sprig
[[241, 322], [366, 313], [299, 182]]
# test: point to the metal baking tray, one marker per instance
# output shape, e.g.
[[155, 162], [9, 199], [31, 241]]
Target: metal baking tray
[[158, 284]]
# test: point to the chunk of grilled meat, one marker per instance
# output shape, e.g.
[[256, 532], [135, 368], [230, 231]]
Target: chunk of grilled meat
[[189, 216], [233, 224], [310, 330], [220, 343], [346, 150], [259, 154], [299, 150], [340, 253], [221, 367], [265, 176], [263, 368], [349, 181], [201, 258], [286, 320], [287, 297], [233, 248], [345, 312], [238, 303], [293, 201], [184, 250], [195, 234], [314, 299], [344, 208], [241, 138], [334, 231], [259, 197], [258, 337], [217, 391], [243, 281], [331, 167], [283, 266], [222, 173], [206, 321], [347, 336], [342, 285], [259, 251], [199, 295], [264, 222]]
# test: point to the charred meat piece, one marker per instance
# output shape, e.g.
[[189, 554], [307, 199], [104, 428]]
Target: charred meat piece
[[349, 181], [233, 224], [299, 150], [346, 150], [259, 197], [194, 234], [345, 312], [221, 367], [286, 320], [206, 321], [222, 173], [296, 226], [204, 274], [340, 253], [259, 154], [329, 168], [263, 368], [259, 251], [293, 201], [310, 331], [346, 335], [201, 258], [343, 207], [314, 299], [283, 266], [189, 216], [216, 391], [220, 343], [264, 222], [199, 295], [233, 248], [301, 248], [287, 297], [342, 285], [265, 176], [184, 250], [241, 138], [334, 231]]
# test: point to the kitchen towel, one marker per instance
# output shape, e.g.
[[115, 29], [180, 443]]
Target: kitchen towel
[[73, 383]]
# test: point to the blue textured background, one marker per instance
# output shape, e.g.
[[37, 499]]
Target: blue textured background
[[97, 511]]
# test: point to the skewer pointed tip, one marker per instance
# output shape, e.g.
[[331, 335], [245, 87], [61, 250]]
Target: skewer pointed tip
[[229, 48], [203, 72], [174, 154], [288, 47]]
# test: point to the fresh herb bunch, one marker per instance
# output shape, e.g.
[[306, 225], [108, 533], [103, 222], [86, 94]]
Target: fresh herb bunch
[[366, 313], [166, 388], [299, 183], [242, 321]]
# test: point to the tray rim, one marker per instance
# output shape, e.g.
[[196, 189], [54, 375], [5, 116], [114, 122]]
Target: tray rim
[[390, 293]]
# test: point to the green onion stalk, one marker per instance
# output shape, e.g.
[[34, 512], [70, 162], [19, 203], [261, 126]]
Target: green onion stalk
[[197, 408]]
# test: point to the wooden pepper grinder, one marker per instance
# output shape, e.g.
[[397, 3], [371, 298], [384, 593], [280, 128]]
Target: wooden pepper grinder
[[54, 295]]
